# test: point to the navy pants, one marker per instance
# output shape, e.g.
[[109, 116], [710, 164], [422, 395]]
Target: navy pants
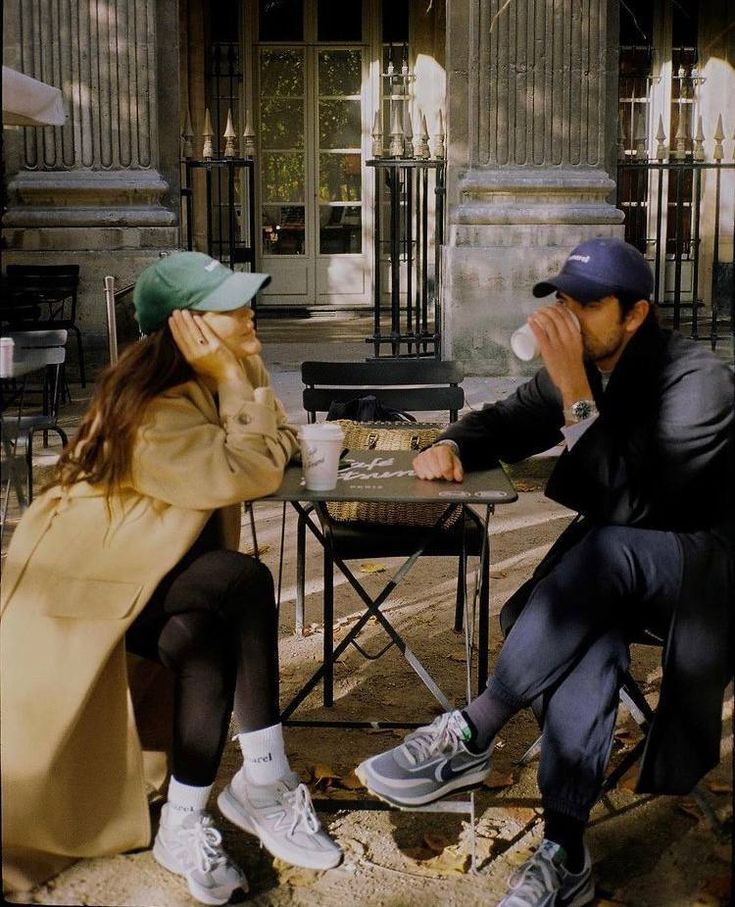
[[569, 647]]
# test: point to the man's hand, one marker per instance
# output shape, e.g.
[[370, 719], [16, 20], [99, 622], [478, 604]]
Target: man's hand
[[561, 348], [438, 462], [205, 352]]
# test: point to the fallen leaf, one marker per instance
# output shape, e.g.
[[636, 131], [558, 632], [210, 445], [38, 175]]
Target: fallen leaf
[[351, 782], [629, 780], [255, 552], [719, 787], [435, 842], [371, 568], [457, 656], [689, 808], [498, 574], [521, 485], [451, 862], [323, 776], [497, 780]]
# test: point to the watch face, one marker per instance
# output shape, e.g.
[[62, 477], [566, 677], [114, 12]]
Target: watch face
[[582, 409]]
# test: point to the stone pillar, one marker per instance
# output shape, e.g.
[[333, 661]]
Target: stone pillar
[[103, 189], [532, 92]]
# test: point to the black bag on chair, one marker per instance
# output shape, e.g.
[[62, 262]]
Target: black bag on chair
[[366, 409]]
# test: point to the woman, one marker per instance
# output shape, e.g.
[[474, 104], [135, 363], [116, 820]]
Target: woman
[[135, 545]]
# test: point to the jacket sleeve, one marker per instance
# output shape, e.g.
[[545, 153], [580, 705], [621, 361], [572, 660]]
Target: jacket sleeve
[[527, 422], [658, 460], [192, 454]]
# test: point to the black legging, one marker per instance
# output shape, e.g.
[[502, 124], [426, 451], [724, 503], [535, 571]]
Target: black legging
[[212, 621]]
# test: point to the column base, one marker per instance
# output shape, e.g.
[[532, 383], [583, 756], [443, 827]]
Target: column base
[[511, 229]]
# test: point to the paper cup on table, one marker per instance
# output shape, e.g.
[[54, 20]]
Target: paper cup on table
[[321, 445], [6, 356]]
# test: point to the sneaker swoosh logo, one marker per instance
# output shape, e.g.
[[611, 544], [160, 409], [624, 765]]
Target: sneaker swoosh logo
[[447, 773]]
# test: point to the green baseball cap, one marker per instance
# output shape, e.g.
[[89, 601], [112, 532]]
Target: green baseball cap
[[191, 280]]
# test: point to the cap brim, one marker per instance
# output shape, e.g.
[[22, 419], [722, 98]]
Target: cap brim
[[233, 293], [580, 288]]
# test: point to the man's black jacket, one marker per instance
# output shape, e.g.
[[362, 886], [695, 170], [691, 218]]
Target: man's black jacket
[[661, 455]]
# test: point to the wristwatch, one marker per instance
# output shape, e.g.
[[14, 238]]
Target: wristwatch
[[580, 409]]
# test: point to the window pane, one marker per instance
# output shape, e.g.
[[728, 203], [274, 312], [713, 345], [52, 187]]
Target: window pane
[[281, 20], [283, 230], [281, 74], [339, 72], [339, 20], [283, 177], [281, 123], [340, 229], [339, 178], [339, 124]]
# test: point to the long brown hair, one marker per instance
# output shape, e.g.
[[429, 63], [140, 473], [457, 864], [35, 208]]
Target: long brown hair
[[101, 451]]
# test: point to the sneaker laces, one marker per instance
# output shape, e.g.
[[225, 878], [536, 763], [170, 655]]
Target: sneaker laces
[[303, 810], [205, 842], [538, 876], [441, 734]]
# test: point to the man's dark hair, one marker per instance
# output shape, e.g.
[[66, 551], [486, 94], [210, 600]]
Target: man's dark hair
[[627, 301]]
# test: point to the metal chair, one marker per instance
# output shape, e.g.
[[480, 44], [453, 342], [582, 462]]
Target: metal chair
[[34, 351], [44, 296], [423, 386]]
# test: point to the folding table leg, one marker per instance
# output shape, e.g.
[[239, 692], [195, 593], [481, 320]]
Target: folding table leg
[[328, 651]]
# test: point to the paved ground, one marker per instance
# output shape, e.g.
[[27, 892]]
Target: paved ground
[[648, 852]]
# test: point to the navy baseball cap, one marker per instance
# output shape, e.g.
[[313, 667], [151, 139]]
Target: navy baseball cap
[[601, 267]]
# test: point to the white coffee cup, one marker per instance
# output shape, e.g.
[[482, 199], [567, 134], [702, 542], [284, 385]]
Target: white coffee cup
[[6, 357], [523, 341], [321, 445]]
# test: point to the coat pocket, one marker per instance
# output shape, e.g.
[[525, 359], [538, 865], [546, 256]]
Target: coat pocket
[[93, 599]]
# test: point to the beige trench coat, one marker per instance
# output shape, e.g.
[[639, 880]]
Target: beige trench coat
[[76, 576]]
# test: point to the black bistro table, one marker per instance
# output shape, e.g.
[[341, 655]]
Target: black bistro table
[[386, 476]]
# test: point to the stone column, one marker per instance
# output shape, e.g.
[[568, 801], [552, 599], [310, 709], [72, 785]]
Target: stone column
[[532, 93], [103, 189]]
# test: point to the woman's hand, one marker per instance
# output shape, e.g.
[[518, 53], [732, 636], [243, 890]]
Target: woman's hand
[[202, 348]]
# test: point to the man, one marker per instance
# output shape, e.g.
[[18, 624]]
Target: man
[[647, 421]]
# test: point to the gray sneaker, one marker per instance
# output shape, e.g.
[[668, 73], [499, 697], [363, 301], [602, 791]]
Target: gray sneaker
[[193, 849], [431, 762], [542, 881], [283, 817]]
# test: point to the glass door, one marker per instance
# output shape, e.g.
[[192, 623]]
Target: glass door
[[312, 121]]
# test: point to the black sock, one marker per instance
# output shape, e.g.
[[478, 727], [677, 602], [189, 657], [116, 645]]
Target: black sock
[[569, 833], [472, 744], [486, 715]]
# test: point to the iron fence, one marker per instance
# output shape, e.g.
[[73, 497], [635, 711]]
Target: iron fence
[[681, 215], [409, 231]]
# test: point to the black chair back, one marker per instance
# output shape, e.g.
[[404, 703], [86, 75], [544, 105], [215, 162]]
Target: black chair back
[[416, 385]]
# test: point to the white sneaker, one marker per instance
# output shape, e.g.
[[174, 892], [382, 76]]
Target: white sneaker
[[283, 817], [193, 849]]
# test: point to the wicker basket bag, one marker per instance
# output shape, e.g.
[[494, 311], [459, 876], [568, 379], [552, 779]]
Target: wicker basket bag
[[403, 436]]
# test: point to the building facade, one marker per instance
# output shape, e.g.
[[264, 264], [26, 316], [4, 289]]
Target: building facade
[[532, 108]]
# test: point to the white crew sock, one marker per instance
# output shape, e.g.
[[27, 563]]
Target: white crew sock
[[183, 799], [264, 755]]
